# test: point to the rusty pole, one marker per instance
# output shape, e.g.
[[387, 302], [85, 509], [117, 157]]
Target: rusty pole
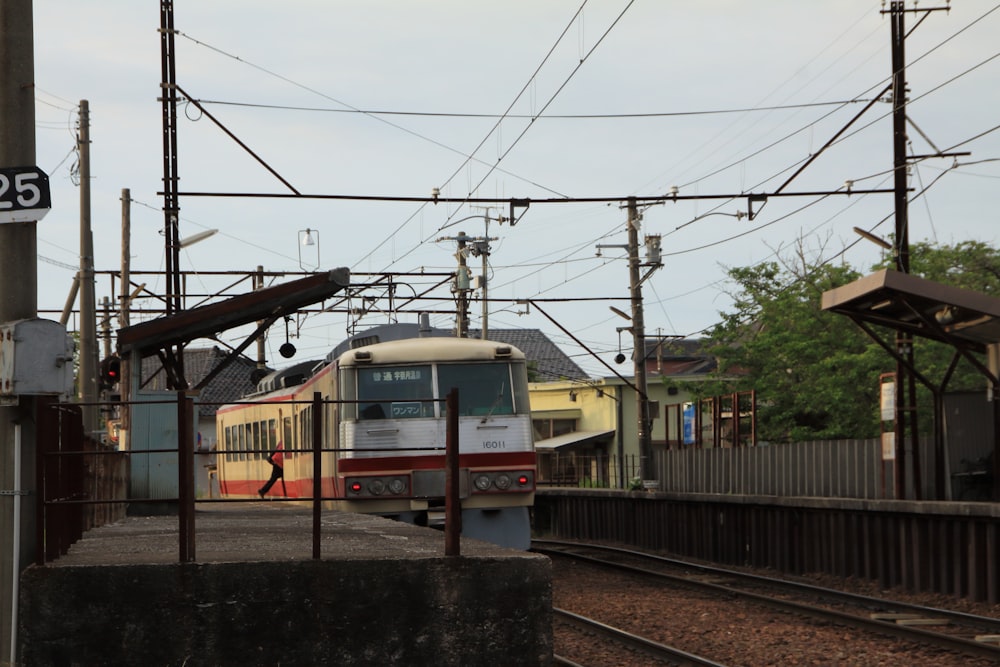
[[185, 475], [317, 449], [452, 503]]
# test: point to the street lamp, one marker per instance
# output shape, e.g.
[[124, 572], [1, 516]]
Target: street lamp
[[309, 238], [877, 240], [196, 238]]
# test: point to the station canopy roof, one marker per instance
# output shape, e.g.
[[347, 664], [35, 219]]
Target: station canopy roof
[[573, 438], [920, 307]]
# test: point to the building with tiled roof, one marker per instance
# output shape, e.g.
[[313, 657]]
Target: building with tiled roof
[[232, 383], [546, 362]]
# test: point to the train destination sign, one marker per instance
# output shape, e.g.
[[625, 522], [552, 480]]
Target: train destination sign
[[24, 194]]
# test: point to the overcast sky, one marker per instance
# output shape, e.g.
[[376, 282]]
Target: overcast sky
[[561, 99]]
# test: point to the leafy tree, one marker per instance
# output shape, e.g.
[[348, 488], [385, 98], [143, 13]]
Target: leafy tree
[[816, 374]]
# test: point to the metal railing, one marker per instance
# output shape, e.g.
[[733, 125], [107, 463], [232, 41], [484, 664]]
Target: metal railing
[[64, 459]]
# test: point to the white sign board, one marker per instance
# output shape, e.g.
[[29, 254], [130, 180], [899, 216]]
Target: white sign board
[[888, 446], [888, 401]]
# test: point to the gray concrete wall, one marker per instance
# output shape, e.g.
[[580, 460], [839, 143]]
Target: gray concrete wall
[[428, 611]]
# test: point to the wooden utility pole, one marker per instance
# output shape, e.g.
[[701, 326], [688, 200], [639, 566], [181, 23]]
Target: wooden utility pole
[[87, 375], [639, 345], [18, 301]]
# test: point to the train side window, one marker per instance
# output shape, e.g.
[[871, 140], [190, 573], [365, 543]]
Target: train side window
[[286, 432], [229, 443], [347, 391], [247, 442], [305, 432], [272, 435], [257, 444]]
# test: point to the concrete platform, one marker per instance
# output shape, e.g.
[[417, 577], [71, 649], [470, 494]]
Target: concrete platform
[[382, 593]]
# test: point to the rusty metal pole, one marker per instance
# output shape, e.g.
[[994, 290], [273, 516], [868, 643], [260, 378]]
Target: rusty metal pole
[[185, 475], [317, 450], [452, 503]]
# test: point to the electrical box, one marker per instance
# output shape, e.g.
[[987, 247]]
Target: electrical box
[[36, 357], [653, 255]]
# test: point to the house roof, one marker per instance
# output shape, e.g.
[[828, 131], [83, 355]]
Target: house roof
[[232, 383], [547, 359], [679, 356]]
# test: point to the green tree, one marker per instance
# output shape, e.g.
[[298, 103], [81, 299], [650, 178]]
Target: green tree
[[816, 374]]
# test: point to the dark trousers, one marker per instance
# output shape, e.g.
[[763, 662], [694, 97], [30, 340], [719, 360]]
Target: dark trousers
[[277, 472]]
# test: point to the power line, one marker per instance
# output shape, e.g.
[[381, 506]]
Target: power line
[[585, 116]]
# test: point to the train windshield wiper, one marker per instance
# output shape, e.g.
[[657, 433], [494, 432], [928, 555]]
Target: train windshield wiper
[[495, 405]]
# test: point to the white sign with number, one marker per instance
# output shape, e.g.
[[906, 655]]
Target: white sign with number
[[24, 194]]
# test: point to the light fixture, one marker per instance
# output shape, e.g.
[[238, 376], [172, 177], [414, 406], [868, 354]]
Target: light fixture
[[945, 316], [309, 238], [620, 313], [877, 240], [195, 238]]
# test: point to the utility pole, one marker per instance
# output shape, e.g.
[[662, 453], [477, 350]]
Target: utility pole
[[462, 288], [481, 248], [906, 386], [87, 378], [18, 301], [639, 344]]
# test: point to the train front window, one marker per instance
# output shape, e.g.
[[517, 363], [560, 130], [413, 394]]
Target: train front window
[[395, 392], [483, 389]]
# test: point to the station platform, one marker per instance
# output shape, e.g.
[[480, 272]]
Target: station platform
[[382, 592]]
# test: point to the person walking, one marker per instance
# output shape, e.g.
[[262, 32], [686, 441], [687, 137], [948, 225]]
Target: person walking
[[277, 461]]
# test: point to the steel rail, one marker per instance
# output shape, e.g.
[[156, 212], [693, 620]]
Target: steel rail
[[647, 646], [987, 623], [906, 632]]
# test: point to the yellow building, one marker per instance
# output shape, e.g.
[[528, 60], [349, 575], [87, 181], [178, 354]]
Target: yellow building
[[586, 432]]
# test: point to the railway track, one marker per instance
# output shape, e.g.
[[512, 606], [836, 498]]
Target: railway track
[[668, 655], [976, 636]]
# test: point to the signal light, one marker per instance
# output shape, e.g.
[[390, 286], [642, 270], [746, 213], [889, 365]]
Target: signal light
[[522, 480], [110, 372]]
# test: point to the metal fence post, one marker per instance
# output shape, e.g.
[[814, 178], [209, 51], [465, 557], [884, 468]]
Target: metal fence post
[[185, 475], [317, 448], [452, 503]]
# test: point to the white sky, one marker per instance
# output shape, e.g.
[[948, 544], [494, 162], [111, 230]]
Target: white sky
[[475, 61]]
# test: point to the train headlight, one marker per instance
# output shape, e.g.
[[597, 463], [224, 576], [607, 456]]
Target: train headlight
[[376, 487], [523, 480], [483, 482], [502, 481], [397, 486], [355, 487]]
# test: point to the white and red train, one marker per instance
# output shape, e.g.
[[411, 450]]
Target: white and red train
[[384, 430]]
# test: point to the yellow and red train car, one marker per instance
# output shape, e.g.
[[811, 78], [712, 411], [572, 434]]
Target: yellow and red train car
[[383, 435]]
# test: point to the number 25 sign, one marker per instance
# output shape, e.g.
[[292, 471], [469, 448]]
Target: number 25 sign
[[24, 194]]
